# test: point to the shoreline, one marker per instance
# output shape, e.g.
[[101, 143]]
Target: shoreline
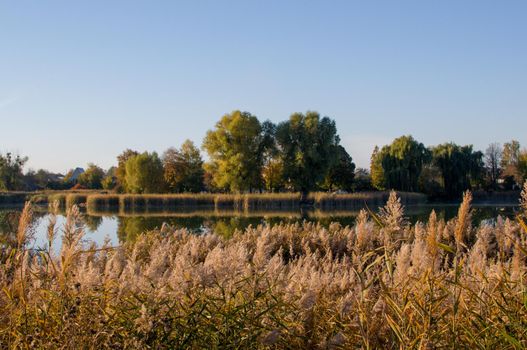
[[101, 201]]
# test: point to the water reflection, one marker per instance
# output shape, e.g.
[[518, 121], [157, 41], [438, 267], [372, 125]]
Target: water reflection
[[120, 228], [92, 222]]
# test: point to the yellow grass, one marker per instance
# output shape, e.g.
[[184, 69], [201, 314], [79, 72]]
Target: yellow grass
[[381, 284], [146, 203]]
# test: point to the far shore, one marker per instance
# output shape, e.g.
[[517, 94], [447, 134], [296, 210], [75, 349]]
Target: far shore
[[101, 201]]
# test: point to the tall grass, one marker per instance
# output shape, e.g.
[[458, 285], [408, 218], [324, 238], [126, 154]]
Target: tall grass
[[102, 202], [324, 200], [59, 198], [381, 284], [77, 199], [163, 202], [130, 203], [271, 201]]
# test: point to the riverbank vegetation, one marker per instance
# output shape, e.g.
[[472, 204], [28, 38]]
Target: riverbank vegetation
[[447, 170], [302, 154], [240, 202], [381, 283], [98, 201]]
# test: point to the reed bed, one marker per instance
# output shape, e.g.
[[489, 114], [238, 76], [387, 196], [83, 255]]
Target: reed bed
[[59, 198], [227, 201], [102, 202], [67, 199], [163, 202], [78, 199], [272, 201], [258, 201], [380, 284], [128, 203], [324, 200], [190, 213]]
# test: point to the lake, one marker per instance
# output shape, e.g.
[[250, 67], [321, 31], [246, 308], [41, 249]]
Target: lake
[[119, 228]]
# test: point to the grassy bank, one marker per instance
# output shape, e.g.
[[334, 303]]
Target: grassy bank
[[379, 284]]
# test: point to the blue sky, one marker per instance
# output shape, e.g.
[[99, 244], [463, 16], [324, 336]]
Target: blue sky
[[81, 81]]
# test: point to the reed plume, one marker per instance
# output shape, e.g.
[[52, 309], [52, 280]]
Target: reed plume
[[287, 286], [463, 222]]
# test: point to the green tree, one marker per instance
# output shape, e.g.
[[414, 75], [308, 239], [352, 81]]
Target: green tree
[[522, 165], [11, 176], [144, 174], [376, 170], [510, 164], [306, 145], [272, 174], [461, 167], [341, 173], [510, 153], [430, 181], [401, 162], [110, 180], [236, 149], [92, 177], [42, 179], [120, 171], [183, 168]]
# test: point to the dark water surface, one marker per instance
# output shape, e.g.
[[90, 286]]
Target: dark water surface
[[118, 228]]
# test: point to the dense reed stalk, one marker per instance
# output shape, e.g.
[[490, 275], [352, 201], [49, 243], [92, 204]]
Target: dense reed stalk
[[102, 202], [381, 284], [324, 200], [59, 198], [129, 203], [523, 200], [77, 199]]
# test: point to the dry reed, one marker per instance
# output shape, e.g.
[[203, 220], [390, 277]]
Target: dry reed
[[379, 284]]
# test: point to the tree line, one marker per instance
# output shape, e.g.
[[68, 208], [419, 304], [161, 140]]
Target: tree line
[[246, 155], [448, 169], [300, 154]]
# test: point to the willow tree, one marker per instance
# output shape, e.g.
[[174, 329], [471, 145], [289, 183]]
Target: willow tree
[[398, 165], [460, 167], [306, 145], [236, 149]]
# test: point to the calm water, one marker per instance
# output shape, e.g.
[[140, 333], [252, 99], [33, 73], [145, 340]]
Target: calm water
[[121, 228]]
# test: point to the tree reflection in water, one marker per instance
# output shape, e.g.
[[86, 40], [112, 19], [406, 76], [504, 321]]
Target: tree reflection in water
[[128, 227]]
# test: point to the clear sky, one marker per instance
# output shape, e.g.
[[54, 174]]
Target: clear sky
[[80, 81]]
